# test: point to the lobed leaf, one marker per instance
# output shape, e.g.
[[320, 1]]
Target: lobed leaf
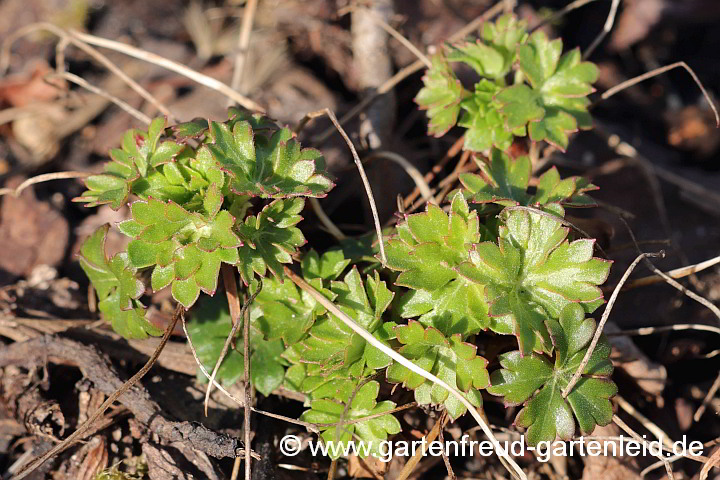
[[426, 250], [117, 286], [440, 96], [450, 359], [555, 103], [209, 327], [505, 180], [538, 383], [371, 432], [264, 166], [532, 274], [270, 238]]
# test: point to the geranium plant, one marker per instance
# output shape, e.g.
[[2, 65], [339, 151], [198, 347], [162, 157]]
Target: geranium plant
[[497, 262]]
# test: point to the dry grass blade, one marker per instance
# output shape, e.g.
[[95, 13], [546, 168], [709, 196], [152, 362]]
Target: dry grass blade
[[618, 421], [171, 65], [598, 331], [333, 229], [71, 38], [71, 77], [246, 378], [659, 71], [672, 282], [668, 328], [366, 183], [512, 466], [650, 426], [714, 461], [410, 169], [609, 22], [80, 431], [310, 426], [243, 44], [45, 177], [677, 273], [419, 454], [561, 13], [706, 401]]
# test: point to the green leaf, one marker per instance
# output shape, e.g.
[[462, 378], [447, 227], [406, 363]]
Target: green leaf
[[117, 286], [505, 181], [508, 180], [556, 104], [195, 128], [371, 432], [332, 345], [141, 153], [533, 273], [546, 414], [328, 267], [186, 249], [282, 311], [440, 96], [450, 359], [493, 55], [270, 238], [426, 250], [485, 126], [272, 166], [208, 329], [570, 191]]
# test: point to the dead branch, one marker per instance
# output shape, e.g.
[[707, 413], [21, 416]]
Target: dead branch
[[98, 370]]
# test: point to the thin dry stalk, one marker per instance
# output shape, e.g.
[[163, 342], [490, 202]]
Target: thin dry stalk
[[410, 69], [667, 328], [87, 425], [333, 229], [72, 37], [659, 71], [410, 169], [609, 22], [310, 426], [71, 77], [171, 65], [644, 421], [45, 177], [248, 387], [243, 44], [419, 454], [618, 421], [603, 319], [366, 183], [672, 282], [228, 341], [677, 273], [429, 176], [397, 35], [512, 466], [706, 401], [714, 461], [562, 12]]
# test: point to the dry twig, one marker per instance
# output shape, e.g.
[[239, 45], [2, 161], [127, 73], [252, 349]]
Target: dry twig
[[603, 319]]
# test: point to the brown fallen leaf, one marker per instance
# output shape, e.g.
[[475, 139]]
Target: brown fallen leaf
[[32, 232]]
